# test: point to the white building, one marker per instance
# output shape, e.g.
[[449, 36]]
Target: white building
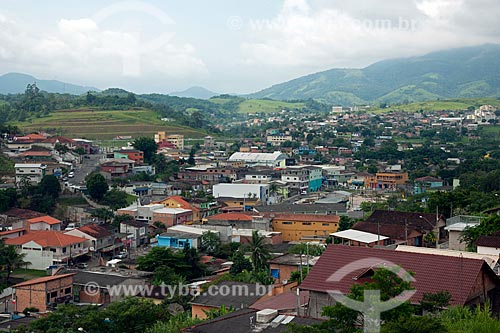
[[242, 191], [275, 160], [33, 173], [277, 140]]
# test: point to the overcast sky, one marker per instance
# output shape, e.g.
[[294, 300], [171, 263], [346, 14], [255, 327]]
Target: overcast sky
[[232, 46]]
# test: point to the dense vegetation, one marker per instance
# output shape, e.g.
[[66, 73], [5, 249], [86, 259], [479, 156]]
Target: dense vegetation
[[465, 72]]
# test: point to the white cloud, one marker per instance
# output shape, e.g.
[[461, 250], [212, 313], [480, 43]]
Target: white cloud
[[322, 34], [93, 52]]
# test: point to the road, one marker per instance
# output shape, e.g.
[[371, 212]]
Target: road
[[88, 165]]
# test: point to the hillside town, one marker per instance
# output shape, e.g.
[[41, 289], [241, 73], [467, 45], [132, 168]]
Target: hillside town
[[301, 197]]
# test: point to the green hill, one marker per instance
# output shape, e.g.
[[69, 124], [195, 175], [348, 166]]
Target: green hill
[[457, 73], [105, 124]]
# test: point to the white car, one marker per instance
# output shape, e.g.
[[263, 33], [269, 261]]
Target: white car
[[71, 174]]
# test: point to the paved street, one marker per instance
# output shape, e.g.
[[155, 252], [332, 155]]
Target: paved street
[[89, 164]]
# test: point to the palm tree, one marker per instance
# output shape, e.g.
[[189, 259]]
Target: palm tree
[[11, 259], [260, 251]]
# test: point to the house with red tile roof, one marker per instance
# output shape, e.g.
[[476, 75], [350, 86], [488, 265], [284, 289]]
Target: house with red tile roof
[[469, 281], [44, 248], [489, 244], [101, 239], [44, 223]]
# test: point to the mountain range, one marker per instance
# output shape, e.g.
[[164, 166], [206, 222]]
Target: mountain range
[[463, 72], [15, 83]]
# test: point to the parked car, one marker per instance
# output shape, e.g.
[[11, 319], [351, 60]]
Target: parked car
[[71, 174], [82, 265]]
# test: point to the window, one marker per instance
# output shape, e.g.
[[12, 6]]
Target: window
[[53, 294], [306, 223], [287, 222], [67, 290], [325, 224]]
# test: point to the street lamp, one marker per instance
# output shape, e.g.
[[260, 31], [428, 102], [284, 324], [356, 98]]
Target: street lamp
[[437, 236]]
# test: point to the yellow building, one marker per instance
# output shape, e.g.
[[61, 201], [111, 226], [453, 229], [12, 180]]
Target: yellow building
[[386, 180], [176, 139], [175, 201], [304, 227]]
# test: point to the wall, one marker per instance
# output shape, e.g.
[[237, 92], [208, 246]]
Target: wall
[[488, 250], [198, 310], [36, 295], [296, 230], [456, 244]]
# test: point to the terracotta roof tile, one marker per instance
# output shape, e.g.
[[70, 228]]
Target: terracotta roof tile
[[46, 238], [231, 217], [433, 273], [46, 219], [395, 217], [42, 280], [95, 231], [308, 218]]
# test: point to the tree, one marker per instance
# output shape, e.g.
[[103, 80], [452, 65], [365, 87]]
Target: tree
[[390, 285], [434, 302], [308, 249], [49, 185], [10, 259], [103, 213], [240, 263], [148, 146], [121, 218], [259, 251], [191, 160], [209, 243], [97, 186], [115, 199]]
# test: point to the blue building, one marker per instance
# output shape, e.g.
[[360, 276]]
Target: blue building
[[177, 240]]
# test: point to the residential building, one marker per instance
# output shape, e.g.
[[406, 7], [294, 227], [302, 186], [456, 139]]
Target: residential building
[[240, 220], [303, 178], [427, 183], [176, 139], [243, 191], [278, 139], [208, 142], [94, 287], [274, 160], [44, 223], [116, 167], [248, 320], [172, 216], [177, 237], [205, 302], [44, 293], [489, 245], [406, 224], [137, 233], [282, 267], [176, 201], [44, 248], [353, 237], [304, 227], [31, 173], [131, 154], [471, 282], [386, 180], [100, 238]]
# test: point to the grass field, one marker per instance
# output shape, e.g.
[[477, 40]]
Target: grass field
[[105, 124], [267, 106], [452, 104], [260, 105]]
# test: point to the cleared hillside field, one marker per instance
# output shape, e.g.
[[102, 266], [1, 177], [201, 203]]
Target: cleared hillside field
[[452, 105], [105, 124]]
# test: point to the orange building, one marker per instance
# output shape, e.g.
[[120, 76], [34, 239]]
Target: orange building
[[176, 201], [303, 227], [386, 180], [44, 293], [132, 154]]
